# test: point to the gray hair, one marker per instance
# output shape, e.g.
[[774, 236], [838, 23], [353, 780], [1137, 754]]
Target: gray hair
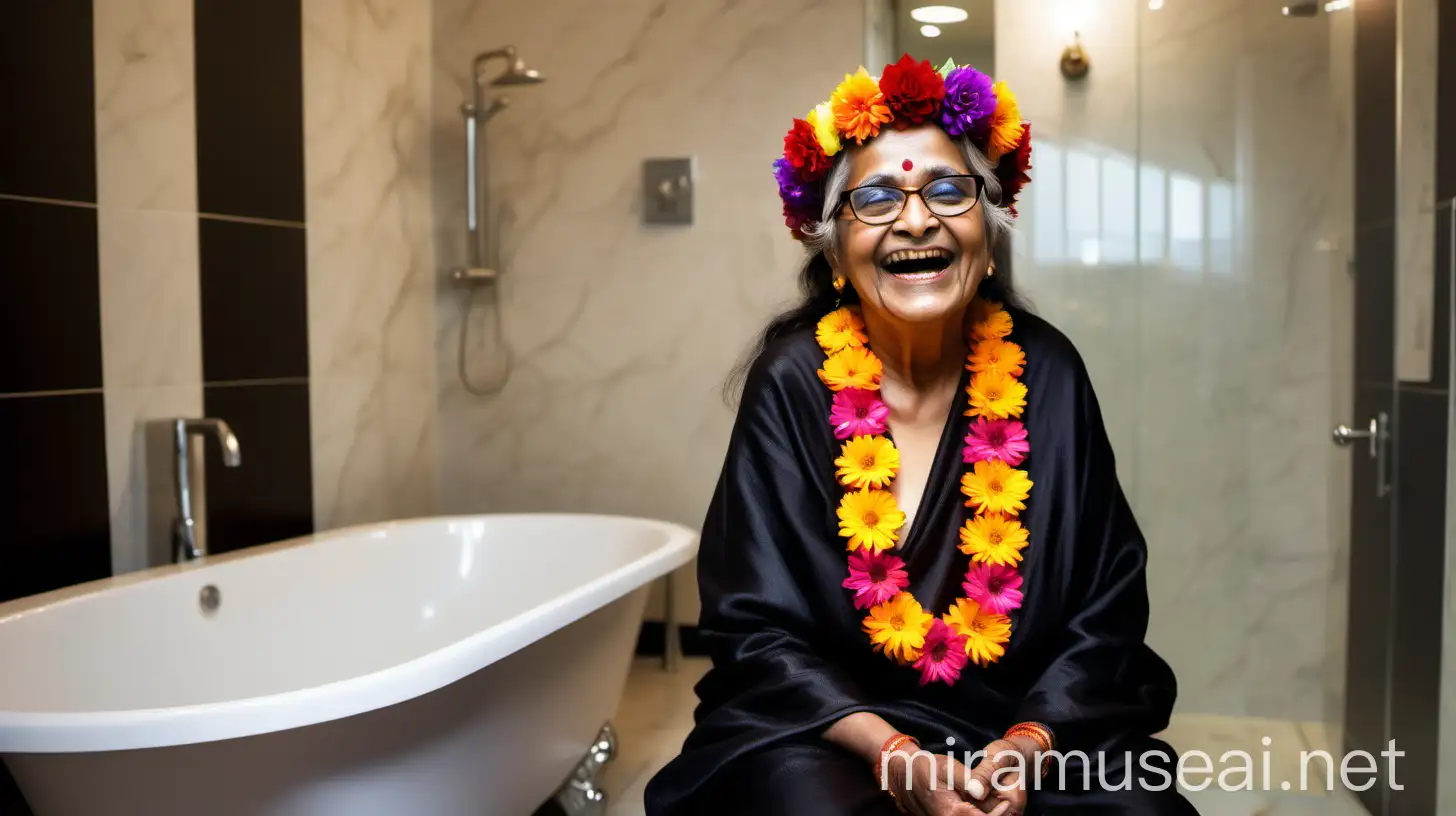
[[824, 235]]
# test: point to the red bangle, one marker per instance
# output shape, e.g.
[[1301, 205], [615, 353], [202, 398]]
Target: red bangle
[[1040, 734], [893, 744]]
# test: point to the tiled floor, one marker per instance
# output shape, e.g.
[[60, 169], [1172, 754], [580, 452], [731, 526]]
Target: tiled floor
[[657, 713]]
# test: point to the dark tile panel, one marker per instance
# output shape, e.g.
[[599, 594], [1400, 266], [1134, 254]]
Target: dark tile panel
[[56, 511], [254, 301], [50, 297], [1367, 635], [1420, 533], [48, 96], [270, 495], [1375, 305], [1375, 99], [1441, 313], [249, 56], [1446, 102]]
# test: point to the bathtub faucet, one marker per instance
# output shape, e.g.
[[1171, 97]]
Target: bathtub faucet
[[184, 527]]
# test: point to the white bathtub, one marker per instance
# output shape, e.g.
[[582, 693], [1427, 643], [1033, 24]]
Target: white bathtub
[[444, 666]]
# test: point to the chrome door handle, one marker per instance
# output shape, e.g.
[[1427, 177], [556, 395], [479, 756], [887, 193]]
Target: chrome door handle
[[1344, 435], [1378, 433]]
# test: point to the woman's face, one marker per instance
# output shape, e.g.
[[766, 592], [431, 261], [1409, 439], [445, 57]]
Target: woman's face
[[880, 261]]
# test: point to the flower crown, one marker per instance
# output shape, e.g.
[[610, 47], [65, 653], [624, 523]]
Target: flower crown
[[961, 100]]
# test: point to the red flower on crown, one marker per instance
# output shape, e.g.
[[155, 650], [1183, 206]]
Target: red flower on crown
[[1013, 169], [805, 155], [913, 91]]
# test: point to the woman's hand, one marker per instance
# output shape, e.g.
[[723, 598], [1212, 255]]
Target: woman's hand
[[1004, 792], [936, 788]]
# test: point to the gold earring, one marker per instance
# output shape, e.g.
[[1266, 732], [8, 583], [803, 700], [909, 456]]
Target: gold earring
[[991, 270], [839, 283]]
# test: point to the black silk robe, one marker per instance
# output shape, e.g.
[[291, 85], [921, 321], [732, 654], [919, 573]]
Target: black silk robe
[[789, 655]]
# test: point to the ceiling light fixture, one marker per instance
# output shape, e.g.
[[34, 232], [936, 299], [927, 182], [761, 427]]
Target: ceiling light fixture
[[928, 30], [939, 15]]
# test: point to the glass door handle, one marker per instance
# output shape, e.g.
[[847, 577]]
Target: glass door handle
[[1378, 434]]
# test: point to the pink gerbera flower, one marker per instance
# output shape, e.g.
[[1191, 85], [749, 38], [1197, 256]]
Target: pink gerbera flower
[[1003, 439], [875, 577], [997, 588], [857, 412], [944, 655]]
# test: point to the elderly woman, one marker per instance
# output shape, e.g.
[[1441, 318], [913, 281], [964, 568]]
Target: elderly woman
[[918, 540]]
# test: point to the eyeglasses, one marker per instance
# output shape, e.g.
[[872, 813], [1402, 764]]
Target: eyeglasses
[[947, 196]]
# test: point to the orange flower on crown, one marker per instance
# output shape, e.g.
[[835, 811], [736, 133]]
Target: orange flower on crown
[[852, 367], [859, 107], [997, 356], [1005, 124]]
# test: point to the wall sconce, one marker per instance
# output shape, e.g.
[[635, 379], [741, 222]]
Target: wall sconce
[[1075, 62]]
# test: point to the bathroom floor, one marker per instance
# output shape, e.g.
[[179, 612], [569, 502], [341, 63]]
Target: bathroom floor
[[657, 712]]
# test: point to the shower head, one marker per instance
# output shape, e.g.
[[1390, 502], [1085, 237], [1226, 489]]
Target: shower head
[[518, 74], [516, 71]]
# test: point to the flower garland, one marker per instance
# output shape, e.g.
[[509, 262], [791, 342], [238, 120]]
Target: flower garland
[[978, 625], [962, 101]]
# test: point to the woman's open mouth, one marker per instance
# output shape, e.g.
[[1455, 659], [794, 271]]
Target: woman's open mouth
[[917, 265]]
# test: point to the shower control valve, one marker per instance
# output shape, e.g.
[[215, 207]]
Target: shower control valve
[[472, 275]]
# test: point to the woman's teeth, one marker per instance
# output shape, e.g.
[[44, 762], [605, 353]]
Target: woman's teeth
[[917, 264]]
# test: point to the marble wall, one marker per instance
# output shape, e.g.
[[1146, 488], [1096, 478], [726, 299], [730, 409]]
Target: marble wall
[[622, 333], [371, 268], [1185, 230], [148, 251]]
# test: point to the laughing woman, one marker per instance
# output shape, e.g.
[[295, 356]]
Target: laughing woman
[[918, 539]]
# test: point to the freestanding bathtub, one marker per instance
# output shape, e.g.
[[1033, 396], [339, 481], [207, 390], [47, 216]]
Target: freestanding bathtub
[[446, 666]]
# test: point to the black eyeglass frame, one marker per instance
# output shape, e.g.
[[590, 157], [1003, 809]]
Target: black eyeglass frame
[[846, 199]]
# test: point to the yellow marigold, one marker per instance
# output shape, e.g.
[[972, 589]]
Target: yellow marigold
[[998, 356], [986, 634], [991, 322], [839, 330], [898, 627], [870, 519], [996, 487], [1005, 124], [867, 461], [859, 107], [994, 539], [852, 367], [822, 120], [996, 396]]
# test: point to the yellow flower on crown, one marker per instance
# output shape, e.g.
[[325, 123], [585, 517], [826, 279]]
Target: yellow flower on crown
[[898, 627], [1005, 124], [840, 329], [995, 395], [859, 107], [821, 118], [852, 367]]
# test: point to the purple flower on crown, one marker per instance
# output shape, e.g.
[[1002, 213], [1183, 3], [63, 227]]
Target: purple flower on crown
[[799, 197], [969, 102]]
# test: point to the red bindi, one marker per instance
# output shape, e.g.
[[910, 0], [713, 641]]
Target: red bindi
[[908, 165]]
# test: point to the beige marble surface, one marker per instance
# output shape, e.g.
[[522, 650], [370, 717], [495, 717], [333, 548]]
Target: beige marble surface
[[1183, 230], [146, 177], [371, 270]]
